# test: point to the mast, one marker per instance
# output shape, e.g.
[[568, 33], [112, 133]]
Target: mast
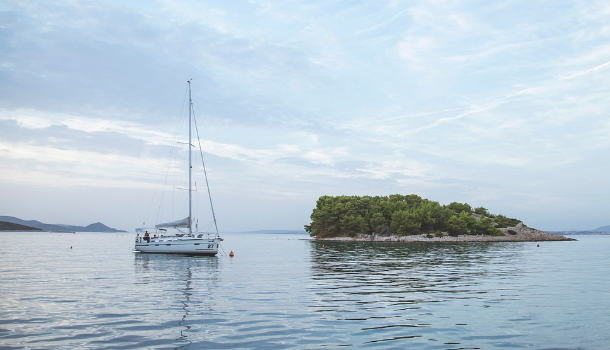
[[190, 164]]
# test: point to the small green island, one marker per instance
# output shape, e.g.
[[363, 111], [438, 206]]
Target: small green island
[[405, 218]]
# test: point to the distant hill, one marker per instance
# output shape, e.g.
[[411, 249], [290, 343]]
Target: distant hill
[[96, 227], [581, 233], [603, 230], [9, 226]]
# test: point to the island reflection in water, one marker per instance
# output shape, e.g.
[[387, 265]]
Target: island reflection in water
[[380, 292]]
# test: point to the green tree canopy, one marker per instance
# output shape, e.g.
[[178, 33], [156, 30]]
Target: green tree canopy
[[402, 215]]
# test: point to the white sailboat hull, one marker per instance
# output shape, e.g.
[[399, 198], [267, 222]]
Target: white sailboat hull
[[179, 245]]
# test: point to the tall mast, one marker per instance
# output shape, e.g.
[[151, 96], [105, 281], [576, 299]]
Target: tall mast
[[190, 164]]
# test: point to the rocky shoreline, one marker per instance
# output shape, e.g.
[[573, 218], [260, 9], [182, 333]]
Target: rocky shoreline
[[519, 233]]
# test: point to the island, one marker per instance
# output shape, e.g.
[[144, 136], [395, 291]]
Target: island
[[410, 218], [9, 226], [34, 225]]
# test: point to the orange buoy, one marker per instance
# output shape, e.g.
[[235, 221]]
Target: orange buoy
[[231, 254]]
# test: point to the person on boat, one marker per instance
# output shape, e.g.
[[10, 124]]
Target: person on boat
[[138, 237], [147, 237]]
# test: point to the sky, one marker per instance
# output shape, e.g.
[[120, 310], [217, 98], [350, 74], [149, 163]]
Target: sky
[[499, 104]]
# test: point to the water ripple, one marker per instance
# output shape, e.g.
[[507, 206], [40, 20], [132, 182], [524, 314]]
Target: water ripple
[[290, 293]]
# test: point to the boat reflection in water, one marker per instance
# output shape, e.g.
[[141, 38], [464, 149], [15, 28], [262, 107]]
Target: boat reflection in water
[[183, 287]]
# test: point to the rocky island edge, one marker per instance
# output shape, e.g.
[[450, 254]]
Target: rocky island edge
[[519, 233]]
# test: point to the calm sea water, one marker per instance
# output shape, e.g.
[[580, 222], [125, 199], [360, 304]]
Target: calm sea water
[[91, 291]]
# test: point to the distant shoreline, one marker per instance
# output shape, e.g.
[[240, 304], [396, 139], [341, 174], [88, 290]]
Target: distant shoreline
[[11, 223], [521, 234]]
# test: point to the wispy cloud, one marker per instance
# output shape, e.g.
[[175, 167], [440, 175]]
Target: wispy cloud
[[503, 103]]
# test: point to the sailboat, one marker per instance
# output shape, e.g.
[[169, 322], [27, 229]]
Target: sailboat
[[186, 241]]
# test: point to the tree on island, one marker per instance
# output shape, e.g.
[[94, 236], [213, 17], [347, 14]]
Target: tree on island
[[397, 214]]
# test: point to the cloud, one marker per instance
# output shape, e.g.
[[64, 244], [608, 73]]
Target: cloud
[[504, 102], [416, 49], [588, 70], [43, 165]]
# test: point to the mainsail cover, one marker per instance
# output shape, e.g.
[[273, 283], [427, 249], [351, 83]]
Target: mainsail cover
[[178, 223]]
